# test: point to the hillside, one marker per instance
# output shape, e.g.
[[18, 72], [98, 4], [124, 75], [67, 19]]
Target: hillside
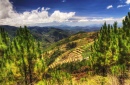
[[64, 62], [47, 35], [71, 48], [72, 55], [92, 58], [66, 51]]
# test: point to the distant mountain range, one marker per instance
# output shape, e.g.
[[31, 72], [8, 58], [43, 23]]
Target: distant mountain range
[[79, 28], [51, 34], [63, 27], [76, 29]]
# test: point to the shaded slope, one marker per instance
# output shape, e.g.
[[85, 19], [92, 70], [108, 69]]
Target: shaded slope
[[47, 35]]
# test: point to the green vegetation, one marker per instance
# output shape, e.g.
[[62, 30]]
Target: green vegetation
[[18, 56], [94, 58], [110, 52], [70, 45]]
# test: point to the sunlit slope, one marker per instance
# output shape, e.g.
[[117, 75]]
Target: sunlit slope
[[71, 49]]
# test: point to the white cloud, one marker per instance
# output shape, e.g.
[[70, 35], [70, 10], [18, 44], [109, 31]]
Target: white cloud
[[110, 6], [95, 21], [83, 20], [6, 9], [98, 20], [41, 17], [78, 19], [60, 17], [119, 6], [127, 1], [8, 16], [86, 21], [104, 19]]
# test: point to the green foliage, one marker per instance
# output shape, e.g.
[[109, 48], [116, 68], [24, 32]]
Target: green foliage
[[21, 59], [73, 67], [111, 51], [22, 54], [71, 45], [53, 57]]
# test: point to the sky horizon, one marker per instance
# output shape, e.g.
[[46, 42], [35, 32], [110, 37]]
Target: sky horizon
[[62, 12]]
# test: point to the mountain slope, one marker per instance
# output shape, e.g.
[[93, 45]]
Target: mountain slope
[[47, 35], [81, 41]]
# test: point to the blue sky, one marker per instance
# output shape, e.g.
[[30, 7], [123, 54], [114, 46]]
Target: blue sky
[[81, 7], [62, 12]]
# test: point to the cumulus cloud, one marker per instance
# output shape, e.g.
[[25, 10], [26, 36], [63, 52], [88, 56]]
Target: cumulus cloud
[[6, 9], [41, 17], [110, 6], [119, 6], [9, 16], [127, 1], [60, 17]]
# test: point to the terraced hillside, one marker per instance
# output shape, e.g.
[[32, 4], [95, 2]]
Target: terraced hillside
[[71, 48]]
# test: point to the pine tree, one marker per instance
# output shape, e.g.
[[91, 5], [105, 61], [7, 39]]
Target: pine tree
[[26, 50], [111, 51]]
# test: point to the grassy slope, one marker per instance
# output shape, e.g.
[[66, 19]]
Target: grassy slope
[[74, 54], [83, 41]]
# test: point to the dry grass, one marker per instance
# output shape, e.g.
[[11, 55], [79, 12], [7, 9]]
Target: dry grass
[[87, 80]]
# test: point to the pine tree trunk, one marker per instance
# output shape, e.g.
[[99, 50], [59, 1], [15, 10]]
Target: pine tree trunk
[[25, 70], [30, 71]]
